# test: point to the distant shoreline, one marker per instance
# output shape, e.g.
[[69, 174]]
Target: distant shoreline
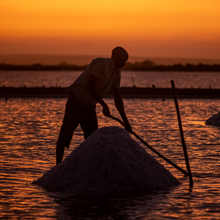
[[126, 92], [55, 59]]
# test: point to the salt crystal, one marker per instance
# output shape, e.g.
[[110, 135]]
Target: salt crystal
[[109, 161]]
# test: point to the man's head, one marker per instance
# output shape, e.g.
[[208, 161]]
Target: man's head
[[119, 56]]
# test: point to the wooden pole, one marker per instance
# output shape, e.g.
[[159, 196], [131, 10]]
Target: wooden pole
[[182, 136]]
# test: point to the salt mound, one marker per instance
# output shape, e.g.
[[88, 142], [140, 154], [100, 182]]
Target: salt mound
[[108, 161], [214, 120]]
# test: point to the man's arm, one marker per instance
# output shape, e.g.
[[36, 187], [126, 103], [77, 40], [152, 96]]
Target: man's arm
[[91, 88], [120, 107]]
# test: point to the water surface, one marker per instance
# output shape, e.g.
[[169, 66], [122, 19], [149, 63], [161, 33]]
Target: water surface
[[129, 78], [28, 132]]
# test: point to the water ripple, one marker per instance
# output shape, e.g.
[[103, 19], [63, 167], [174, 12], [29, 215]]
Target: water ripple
[[28, 132]]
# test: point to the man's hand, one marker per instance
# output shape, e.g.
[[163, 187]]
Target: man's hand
[[106, 110]]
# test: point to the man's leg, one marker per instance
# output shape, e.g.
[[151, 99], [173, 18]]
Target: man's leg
[[89, 122], [70, 123]]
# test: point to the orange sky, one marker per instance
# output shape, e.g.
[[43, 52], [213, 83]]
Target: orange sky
[[168, 28]]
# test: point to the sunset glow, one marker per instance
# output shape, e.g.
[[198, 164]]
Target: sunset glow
[[156, 28]]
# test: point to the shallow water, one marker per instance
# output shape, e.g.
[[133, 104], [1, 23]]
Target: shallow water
[[28, 134], [128, 78]]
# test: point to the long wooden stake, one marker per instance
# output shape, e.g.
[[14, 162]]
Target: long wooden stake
[[156, 152], [182, 136]]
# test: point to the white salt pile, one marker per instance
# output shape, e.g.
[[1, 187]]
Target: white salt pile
[[108, 161], [214, 120]]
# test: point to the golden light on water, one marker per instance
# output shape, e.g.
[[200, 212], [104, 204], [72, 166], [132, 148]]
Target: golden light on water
[[29, 130]]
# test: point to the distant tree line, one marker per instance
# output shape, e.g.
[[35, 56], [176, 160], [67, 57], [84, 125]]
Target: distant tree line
[[146, 65], [41, 67]]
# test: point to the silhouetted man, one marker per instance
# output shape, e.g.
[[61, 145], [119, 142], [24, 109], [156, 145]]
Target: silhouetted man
[[90, 87]]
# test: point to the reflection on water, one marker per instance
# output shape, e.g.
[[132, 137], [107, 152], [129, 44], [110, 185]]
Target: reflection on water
[[175, 203], [28, 133]]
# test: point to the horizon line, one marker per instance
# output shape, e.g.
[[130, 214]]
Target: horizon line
[[140, 56]]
